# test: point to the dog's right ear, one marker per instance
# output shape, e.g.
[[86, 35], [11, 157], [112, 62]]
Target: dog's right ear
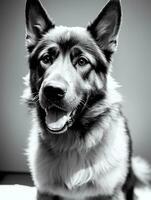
[[37, 22]]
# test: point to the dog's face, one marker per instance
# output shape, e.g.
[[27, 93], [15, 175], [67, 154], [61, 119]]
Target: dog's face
[[69, 66]]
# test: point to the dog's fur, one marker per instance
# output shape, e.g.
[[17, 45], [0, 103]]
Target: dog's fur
[[79, 147]]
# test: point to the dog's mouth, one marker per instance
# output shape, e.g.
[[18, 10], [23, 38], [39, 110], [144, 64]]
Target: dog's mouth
[[58, 120]]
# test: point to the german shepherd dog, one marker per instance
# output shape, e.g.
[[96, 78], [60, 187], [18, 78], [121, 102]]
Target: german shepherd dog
[[80, 146]]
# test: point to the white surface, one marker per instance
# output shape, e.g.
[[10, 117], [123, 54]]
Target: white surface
[[20, 192], [17, 192], [143, 193]]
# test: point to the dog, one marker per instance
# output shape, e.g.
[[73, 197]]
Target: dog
[[80, 146]]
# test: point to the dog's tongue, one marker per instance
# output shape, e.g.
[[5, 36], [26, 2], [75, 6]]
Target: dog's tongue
[[56, 119]]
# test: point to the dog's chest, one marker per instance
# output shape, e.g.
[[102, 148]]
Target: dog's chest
[[72, 175], [78, 174], [70, 169]]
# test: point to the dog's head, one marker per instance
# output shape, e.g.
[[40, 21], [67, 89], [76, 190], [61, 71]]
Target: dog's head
[[69, 66]]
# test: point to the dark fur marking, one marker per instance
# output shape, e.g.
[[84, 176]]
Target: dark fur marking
[[108, 55], [33, 59], [128, 187], [86, 124], [66, 44]]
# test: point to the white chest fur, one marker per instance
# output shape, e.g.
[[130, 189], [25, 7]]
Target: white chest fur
[[78, 174]]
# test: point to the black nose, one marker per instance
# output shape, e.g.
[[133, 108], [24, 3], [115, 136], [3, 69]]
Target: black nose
[[54, 91]]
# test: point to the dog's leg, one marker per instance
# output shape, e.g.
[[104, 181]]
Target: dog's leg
[[43, 196]]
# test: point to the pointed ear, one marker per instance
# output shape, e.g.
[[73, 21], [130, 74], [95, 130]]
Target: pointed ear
[[37, 22], [105, 27]]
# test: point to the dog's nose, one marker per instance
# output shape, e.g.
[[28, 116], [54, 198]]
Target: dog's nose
[[54, 91]]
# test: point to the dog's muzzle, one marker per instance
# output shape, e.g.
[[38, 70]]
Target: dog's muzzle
[[58, 119]]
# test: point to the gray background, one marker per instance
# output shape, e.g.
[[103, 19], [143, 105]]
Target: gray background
[[131, 68]]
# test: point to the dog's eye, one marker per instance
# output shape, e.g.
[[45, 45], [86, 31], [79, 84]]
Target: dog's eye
[[82, 61], [46, 59]]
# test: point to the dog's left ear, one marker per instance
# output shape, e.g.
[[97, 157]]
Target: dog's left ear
[[37, 22], [105, 27]]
